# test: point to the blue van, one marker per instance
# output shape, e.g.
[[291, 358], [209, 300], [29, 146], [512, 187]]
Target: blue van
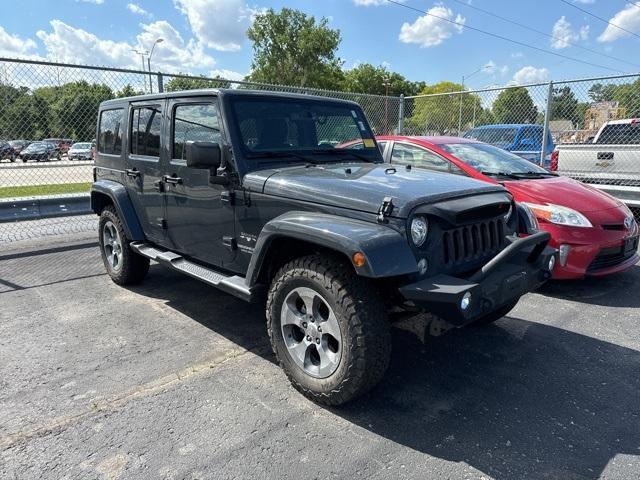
[[525, 140]]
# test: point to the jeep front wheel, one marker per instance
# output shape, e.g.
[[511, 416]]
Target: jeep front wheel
[[328, 329], [123, 265]]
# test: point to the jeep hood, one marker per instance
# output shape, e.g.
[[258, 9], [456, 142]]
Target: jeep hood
[[363, 187]]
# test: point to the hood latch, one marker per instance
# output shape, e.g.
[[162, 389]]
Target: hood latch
[[385, 209]]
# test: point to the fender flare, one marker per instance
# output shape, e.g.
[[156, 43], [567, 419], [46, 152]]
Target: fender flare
[[386, 251], [120, 199]]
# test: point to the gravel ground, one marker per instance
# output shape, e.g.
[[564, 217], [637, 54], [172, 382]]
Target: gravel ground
[[174, 380]]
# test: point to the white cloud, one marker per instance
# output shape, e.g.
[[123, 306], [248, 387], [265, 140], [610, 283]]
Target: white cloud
[[14, 46], [74, 45], [585, 2], [218, 24], [95, 2], [372, 3], [564, 35], [530, 74], [227, 74], [504, 69], [429, 31], [138, 10], [627, 18], [517, 55]]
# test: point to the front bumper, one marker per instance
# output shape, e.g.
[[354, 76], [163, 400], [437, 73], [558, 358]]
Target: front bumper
[[520, 268]]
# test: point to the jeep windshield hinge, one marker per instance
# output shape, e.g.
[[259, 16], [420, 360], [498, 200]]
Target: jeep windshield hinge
[[385, 209]]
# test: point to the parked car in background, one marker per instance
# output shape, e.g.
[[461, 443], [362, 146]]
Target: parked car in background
[[610, 162], [525, 140], [594, 232], [40, 151], [19, 145], [6, 151], [63, 144], [80, 151]]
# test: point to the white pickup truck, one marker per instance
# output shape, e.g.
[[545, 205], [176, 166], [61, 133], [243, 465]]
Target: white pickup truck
[[611, 162]]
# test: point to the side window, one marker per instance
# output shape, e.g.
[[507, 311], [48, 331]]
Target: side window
[[146, 125], [194, 123], [110, 132], [405, 154], [356, 146], [382, 145]]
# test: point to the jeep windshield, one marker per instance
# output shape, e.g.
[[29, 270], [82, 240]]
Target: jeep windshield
[[294, 130]]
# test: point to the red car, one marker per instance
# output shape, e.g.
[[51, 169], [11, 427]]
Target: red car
[[594, 232]]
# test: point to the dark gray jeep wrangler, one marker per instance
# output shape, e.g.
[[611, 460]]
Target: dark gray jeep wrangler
[[255, 193]]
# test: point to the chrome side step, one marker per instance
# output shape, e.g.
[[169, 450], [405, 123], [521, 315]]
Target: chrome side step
[[233, 284]]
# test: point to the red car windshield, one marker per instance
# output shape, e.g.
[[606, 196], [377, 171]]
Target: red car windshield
[[491, 160]]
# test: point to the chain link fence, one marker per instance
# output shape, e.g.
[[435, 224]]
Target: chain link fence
[[583, 128], [47, 129], [587, 129]]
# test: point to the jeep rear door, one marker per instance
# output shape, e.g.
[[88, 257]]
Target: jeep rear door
[[143, 171], [200, 215]]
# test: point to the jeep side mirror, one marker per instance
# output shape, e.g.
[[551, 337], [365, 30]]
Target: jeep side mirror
[[203, 155]]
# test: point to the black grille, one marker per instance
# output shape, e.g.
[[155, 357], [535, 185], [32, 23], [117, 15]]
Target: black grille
[[471, 242], [610, 257]]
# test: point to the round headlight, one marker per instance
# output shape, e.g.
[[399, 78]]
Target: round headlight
[[419, 229]]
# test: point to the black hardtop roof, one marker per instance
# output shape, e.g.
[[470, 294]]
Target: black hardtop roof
[[219, 92]]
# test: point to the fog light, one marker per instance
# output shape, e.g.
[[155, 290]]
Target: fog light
[[564, 253], [422, 266], [552, 263], [466, 301]]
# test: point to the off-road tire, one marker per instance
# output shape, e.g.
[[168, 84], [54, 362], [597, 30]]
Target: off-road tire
[[361, 315], [495, 315], [133, 267]]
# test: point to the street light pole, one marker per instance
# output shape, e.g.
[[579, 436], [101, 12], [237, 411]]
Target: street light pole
[[386, 83], [484, 67], [142, 53], [159, 40]]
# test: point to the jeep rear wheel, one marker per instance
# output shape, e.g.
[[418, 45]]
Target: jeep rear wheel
[[328, 329], [123, 265]]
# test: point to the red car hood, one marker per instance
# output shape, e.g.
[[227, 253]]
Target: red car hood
[[562, 191]]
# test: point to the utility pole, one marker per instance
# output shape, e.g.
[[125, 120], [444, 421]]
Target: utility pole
[[142, 53]]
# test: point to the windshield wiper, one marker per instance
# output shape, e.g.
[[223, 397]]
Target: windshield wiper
[[498, 174], [340, 151], [534, 174]]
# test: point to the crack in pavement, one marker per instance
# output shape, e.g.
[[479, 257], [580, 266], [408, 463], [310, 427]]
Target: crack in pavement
[[161, 384]]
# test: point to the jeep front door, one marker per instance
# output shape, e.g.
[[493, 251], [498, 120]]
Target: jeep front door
[[143, 172], [200, 217]]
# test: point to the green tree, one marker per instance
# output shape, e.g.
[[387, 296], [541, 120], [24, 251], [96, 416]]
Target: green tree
[[367, 78], [628, 97], [581, 111], [438, 113], [514, 105], [128, 91], [564, 105], [73, 108], [291, 48], [602, 93], [192, 83]]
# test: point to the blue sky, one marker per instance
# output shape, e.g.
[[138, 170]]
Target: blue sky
[[207, 36]]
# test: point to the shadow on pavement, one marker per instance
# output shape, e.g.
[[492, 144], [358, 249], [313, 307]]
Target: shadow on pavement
[[515, 400], [618, 290]]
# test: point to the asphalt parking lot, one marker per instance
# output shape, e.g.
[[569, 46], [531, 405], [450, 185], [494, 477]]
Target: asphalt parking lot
[[45, 173], [173, 379]]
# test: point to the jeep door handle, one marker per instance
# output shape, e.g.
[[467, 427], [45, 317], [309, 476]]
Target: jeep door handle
[[172, 180], [132, 172], [605, 156]]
